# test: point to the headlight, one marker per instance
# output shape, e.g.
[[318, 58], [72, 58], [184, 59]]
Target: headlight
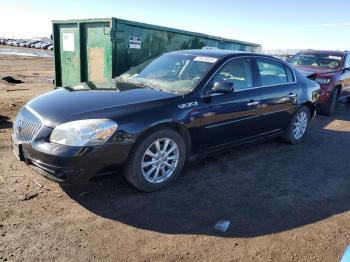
[[83, 132], [323, 81]]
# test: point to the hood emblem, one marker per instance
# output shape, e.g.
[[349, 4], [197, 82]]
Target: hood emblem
[[19, 126]]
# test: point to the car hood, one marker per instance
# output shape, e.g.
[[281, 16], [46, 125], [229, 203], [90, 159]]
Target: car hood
[[68, 104], [308, 70]]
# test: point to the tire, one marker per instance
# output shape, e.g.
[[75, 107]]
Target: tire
[[329, 108], [291, 136], [146, 179]]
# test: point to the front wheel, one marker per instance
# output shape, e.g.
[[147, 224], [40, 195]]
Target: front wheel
[[156, 161], [298, 126]]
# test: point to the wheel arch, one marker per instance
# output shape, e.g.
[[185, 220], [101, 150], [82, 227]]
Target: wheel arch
[[312, 107], [180, 128]]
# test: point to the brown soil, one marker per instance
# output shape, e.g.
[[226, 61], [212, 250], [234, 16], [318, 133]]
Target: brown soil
[[285, 203]]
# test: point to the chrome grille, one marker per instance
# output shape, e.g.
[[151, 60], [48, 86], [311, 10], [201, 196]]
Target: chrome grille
[[27, 125]]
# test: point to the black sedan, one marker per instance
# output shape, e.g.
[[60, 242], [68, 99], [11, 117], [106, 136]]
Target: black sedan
[[150, 120]]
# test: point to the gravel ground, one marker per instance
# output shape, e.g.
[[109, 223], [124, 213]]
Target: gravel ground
[[285, 203]]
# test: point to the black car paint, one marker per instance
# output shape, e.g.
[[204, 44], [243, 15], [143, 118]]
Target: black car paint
[[207, 122], [63, 105]]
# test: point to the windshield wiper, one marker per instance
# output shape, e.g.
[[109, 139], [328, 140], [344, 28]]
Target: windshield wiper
[[150, 85], [140, 84]]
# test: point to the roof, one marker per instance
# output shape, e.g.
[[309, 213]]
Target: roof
[[330, 52], [218, 53]]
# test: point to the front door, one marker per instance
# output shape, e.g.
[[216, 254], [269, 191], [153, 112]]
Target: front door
[[231, 117]]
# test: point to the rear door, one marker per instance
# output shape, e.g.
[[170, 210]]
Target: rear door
[[231, 117], [279, 92]]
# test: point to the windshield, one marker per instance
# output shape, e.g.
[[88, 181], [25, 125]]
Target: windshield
[[177, 73], [317, 60]]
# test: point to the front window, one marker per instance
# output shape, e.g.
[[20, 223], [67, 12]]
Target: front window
[[177, 73], [330, 61], [238, 72]]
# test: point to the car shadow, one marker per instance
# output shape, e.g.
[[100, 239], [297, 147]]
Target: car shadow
[[261, 189], [5, 122]]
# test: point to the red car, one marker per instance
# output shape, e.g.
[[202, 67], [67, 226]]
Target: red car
[[332, 73]]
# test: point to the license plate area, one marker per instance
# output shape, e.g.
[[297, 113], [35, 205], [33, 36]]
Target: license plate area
[[16, 148]]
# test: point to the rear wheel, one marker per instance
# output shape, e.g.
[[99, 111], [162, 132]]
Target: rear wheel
[[156, 161], [298, 126]]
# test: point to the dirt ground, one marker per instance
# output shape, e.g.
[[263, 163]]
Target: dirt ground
[[285, 203]]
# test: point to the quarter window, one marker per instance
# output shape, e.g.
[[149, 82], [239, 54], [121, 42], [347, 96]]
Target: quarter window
[[238, 72], [273, 73], [289, 74]]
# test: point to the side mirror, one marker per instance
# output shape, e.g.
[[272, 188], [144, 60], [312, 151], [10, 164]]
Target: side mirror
[[223, 87]]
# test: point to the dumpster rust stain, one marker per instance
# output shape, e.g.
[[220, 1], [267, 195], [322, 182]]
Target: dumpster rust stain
[[96, 64]]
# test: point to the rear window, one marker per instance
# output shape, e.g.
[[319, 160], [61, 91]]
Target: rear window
[[273, 73]]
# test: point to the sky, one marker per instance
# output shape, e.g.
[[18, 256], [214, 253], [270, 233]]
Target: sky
[[289, 24]]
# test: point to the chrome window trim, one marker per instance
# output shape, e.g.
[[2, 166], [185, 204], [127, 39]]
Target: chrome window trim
[[251, 88]]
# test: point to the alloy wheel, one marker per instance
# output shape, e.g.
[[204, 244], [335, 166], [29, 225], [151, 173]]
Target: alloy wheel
[[160, 160], [300, 125]]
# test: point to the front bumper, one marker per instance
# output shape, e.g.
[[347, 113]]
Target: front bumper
[[70, 165], [326, 92], [324, 97]]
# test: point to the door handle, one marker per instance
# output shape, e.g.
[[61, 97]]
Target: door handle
[[253, 103], [292, 95]]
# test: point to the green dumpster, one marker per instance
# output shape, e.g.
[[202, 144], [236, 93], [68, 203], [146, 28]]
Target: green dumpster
[[100, 49]]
